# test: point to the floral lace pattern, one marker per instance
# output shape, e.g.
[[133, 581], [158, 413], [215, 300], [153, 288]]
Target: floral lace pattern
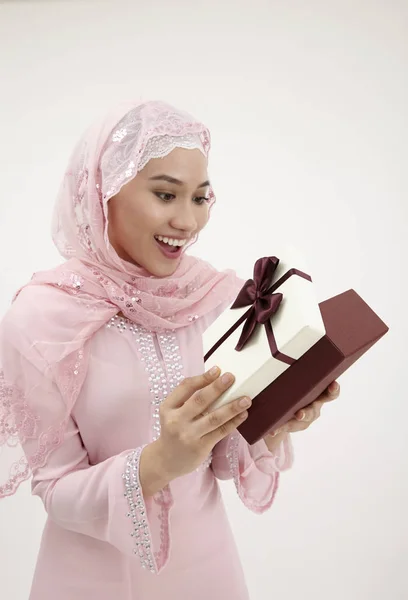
[[125, 159], [148, 130], [19, 423]]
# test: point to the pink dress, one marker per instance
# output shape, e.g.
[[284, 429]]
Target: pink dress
[[102, 539]]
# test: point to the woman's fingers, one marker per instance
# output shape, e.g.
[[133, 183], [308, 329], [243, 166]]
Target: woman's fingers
[[195, 395], [189, 386], [224, 424], [332, 392], [203, 398], [185, 411], [223, 419], [306, 416], [310, 413]]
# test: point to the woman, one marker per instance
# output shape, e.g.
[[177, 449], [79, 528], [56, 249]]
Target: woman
[[102, 378]]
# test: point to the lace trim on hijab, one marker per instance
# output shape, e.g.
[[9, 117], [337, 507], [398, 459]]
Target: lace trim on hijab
[[121, 169]]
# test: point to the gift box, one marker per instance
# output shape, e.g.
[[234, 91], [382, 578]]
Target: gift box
[[283, 347]]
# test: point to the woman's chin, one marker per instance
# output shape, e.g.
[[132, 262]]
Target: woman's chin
[[155, 263], [161, 268]]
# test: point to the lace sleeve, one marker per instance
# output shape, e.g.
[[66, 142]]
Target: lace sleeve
[[254, 469]]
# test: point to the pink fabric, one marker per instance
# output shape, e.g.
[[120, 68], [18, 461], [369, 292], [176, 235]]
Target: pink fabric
[[80, 390], [87, 550], [94, 282]]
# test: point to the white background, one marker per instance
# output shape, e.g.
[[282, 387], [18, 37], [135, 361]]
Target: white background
[[307, 104]]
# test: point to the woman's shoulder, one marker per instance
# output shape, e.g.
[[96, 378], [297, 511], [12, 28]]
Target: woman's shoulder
[[25, 323], [46, 323], [34, 304]]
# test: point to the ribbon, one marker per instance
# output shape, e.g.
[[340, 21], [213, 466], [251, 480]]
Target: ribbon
[[264, 303]]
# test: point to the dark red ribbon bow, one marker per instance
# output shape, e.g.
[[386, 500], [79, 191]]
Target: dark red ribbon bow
[[256, 293]]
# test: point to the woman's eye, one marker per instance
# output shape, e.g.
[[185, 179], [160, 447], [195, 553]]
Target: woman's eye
[[165, 196], [201, 200]]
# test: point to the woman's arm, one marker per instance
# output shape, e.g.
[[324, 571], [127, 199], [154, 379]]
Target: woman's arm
[[106, 501], [111, 501]]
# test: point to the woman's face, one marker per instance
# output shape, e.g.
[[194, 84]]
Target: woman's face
[[162, 207]]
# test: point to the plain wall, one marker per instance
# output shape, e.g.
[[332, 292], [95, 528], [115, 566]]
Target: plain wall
[[307, 104]]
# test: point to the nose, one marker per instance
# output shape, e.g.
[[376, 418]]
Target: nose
[[184, 218]]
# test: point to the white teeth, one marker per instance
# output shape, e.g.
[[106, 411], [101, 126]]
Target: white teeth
[[170, 241]]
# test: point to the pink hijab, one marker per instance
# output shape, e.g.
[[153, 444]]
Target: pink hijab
[[44, 335]]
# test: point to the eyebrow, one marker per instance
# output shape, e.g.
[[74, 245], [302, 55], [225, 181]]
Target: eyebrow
[[170, 179]]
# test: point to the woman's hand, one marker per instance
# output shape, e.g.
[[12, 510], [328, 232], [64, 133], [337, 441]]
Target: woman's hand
[[303, 418], [188, 433]]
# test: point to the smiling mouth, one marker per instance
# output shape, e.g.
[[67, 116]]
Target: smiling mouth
[[169, 250], [169, 241]]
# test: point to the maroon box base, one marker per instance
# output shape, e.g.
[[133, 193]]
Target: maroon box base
[[352, 327]]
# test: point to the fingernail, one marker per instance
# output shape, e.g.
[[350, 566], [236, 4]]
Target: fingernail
[[301, 415], [244, 402], [227, 378], [333, 387], [214, 371], [275, 433]]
